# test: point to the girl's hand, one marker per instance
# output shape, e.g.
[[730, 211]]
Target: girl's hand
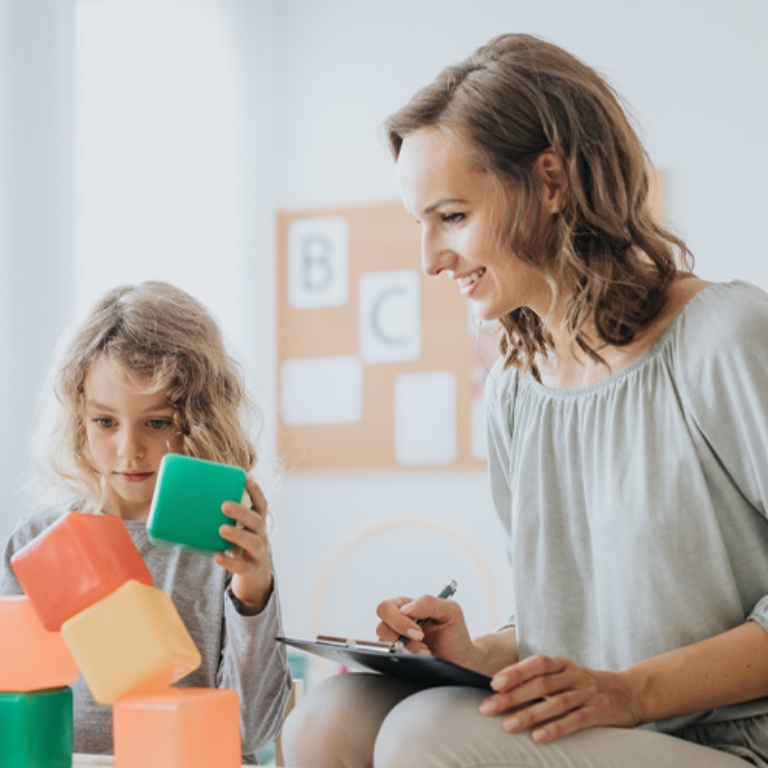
[[559, 697], [444, 632], [251, 570]]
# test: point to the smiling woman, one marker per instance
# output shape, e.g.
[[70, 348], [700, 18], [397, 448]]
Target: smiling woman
[[627, 426]]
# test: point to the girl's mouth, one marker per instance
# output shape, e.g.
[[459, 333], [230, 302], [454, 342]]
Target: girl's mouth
[[134, 477]]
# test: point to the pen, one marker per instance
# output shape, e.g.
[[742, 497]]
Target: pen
[[447, 592]]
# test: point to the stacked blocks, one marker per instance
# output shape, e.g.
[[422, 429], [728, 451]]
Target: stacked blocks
[[35, 700], [186, 505], [77, 561], [85, 577], [178, 728]]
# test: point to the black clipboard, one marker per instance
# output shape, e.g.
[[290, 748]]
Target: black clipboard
[[426, 671]]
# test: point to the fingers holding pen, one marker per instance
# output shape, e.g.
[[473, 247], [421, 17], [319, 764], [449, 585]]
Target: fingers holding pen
[[420, 623], [396, 624]]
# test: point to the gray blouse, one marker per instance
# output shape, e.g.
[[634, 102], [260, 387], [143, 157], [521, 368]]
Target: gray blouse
[[635, 508]]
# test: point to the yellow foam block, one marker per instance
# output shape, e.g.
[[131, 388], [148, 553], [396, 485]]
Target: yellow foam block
[[132, 641], [178, 728]]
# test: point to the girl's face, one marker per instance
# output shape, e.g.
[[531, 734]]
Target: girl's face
[[460, 210], [129, 429]]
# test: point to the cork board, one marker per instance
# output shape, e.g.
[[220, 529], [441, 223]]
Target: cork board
[[379, 367]]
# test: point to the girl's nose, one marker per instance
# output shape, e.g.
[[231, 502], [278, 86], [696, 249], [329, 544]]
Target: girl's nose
[[130, 445]]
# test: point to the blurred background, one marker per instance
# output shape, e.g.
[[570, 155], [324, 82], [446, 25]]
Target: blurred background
[[159, 139]]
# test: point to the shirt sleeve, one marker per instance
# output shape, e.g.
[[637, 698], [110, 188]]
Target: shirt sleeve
[[723, 374], [255, 665]]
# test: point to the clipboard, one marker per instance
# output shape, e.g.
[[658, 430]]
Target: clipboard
[[426, 671]]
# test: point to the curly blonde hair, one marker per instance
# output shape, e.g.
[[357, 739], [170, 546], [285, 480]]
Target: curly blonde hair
[[510, 101], [166, 340]]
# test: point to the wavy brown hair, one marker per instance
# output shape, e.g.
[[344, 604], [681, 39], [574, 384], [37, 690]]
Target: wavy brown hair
[[166, 340], [510, 101]]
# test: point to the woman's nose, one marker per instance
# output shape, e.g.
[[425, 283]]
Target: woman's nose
[[435, 255]]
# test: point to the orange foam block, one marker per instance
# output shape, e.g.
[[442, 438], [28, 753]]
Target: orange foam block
[[132, 641], [78, 560], [31, 657], [178, 728]]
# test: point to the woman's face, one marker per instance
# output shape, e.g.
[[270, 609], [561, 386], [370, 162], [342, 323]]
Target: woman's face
[[461, 211]]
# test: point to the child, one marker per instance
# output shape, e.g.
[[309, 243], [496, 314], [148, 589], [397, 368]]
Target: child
[[146, 374], [628, 451]]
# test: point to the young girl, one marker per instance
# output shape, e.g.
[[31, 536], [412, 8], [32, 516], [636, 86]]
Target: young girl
[[628, 452], [147, 374]]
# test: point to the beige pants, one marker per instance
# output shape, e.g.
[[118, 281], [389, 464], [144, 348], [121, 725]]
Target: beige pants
[[359, 720]]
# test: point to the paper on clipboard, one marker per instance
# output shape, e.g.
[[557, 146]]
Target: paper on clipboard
[[426, 671]]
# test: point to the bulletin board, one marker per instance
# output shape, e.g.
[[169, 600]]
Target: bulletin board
[[380, 367]]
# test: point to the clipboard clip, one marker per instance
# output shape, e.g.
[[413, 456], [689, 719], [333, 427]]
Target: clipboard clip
[[364, 645]]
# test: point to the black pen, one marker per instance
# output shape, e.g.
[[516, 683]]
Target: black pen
[[447, 592]]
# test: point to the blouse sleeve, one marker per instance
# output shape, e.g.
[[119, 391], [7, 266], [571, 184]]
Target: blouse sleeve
[[723, 375]]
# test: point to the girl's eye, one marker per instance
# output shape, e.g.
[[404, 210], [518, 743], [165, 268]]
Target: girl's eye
[[452, 218], [104, 422], [159, 423]]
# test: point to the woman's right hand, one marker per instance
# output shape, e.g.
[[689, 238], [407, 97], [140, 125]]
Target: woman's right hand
[[443, 634]]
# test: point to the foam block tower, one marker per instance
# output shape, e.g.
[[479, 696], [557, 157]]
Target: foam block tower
[[85, 578]]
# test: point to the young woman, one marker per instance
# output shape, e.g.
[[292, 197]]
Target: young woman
[[145, 374], [628, 451]]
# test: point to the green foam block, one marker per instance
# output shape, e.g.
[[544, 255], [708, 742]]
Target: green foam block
[[186, 507], [36, 729]]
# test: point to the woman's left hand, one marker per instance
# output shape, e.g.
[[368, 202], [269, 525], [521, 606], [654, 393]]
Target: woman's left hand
[[557, 697], [251, 570]]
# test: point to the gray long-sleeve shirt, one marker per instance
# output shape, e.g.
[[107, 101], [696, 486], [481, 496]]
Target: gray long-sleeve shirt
[[238, 652], [635, 508]]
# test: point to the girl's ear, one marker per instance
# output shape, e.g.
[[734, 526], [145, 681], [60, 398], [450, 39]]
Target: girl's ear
[[552, 176]]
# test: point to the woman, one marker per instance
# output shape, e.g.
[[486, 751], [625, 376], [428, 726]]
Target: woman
[[628, 451]]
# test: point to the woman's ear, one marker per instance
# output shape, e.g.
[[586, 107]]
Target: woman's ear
[[553, 178]]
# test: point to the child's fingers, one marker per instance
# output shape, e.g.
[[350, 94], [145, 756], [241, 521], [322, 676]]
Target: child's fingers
[[258, 499], [248, 541], [247, 518]]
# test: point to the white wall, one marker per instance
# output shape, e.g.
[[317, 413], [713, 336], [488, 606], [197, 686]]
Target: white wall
[[36, 220], [694, 73]]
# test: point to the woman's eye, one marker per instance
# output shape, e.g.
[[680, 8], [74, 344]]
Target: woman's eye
[[452, 218], [158, 423], [104, 422]]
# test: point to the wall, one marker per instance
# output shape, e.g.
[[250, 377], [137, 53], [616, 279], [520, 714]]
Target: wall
[[36, 220]]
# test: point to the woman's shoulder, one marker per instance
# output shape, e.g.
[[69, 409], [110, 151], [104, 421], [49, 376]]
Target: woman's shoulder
[[721, 314]]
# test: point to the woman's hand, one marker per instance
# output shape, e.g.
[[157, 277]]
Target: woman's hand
[[557, 697], [251, 570], [444, 632]]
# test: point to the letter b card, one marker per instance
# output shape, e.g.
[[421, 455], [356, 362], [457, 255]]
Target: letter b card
[[317, 262]]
